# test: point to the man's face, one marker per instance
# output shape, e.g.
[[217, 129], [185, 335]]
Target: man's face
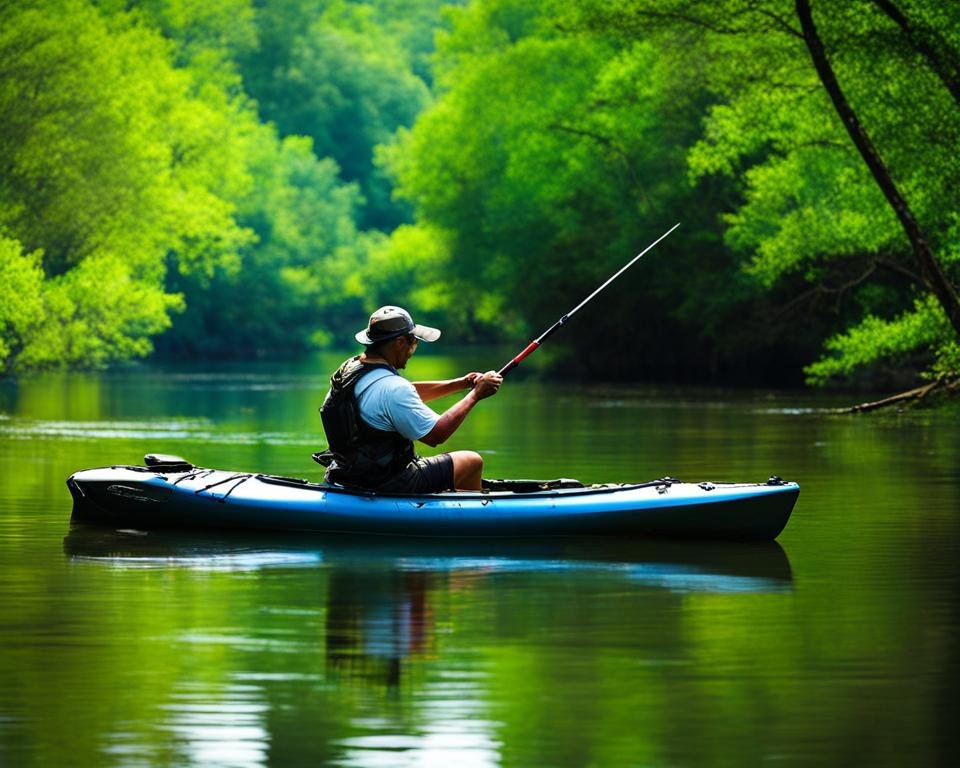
[[408, 345]]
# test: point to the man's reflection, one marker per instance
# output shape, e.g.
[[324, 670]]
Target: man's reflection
[[375, 620]]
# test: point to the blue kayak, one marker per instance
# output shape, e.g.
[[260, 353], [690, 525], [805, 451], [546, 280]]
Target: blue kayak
[[170, 492]]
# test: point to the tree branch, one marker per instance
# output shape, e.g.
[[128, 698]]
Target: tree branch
[[715, 26], [779, 21], [930, 268], [825, 290], [944, 383], [901, 270], [821, 289], [604, 141], [930, 44]]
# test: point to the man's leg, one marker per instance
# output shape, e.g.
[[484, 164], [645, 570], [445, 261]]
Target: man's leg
[[467, 470]]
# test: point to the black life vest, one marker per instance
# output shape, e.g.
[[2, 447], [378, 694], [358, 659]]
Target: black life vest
[[362, 455]]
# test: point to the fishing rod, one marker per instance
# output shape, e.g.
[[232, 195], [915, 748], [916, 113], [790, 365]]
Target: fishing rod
[[562, 321]]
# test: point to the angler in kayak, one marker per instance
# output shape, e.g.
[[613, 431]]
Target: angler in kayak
[[372, 415], [371, 446]]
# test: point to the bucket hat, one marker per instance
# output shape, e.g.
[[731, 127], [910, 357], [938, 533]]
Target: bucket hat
[[389, 322]]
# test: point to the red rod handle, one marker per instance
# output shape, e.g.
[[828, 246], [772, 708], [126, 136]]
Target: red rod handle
[[517, 360]]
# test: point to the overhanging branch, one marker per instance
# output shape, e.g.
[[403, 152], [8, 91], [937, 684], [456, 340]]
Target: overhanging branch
[[930, 269]]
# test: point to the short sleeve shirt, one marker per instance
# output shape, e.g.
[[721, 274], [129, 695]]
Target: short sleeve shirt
[[389, 402]]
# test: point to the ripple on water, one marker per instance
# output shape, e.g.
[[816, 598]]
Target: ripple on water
[[454, 730], [189, 430]]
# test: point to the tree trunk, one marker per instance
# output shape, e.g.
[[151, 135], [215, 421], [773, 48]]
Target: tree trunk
[[930, 269], [942, 57]]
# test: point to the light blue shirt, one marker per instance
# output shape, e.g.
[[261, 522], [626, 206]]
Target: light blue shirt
[[391, 403]]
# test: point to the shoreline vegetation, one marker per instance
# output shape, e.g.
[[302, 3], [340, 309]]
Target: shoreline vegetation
[[231, 178]]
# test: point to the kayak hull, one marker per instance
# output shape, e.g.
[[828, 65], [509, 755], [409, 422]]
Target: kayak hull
[[145, 498]]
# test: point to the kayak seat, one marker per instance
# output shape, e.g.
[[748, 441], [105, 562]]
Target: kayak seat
[[529, 486]]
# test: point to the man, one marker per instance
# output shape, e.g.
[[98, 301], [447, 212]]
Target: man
[[372, 415]]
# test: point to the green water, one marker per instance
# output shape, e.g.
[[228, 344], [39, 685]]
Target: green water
[[838, 645]]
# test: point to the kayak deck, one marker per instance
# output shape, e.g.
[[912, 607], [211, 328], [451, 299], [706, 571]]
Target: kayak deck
[[150, 497]]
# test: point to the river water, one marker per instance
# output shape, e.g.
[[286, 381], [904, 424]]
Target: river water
[[836, 645]]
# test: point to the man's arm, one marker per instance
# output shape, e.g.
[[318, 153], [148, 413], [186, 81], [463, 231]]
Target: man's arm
[[486, 385], [431, 390]]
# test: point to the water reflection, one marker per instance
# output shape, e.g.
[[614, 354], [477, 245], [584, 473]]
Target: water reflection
[[219, 727], [677, 566], [405, 630], [378, 612], [161, 431], [376, 620], [130, 548]]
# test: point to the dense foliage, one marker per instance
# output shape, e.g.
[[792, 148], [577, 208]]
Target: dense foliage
[[562, 135], [244, 177]]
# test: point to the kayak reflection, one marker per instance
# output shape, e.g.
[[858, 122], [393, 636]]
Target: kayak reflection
[[379, 598], [680, 566]]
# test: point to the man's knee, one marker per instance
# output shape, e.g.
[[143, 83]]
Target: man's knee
[[467, 461], [467, 469]]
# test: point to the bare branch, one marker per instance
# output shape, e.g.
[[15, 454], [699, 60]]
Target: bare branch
[[718, 27], [779, 21], [822, 289], [825, 290], [947, 384], [901, 270], [604, 141]]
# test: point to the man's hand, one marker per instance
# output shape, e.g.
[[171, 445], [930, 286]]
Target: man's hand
[[468, 381], [484, 385], [487, 384]]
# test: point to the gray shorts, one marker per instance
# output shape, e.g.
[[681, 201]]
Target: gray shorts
[[430, 475]]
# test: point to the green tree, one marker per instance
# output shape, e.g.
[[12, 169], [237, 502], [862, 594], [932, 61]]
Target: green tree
[[550, 156], [21, 303], [841, 127], [292, 287], [207, 36], [111, 165], [332, 72]]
